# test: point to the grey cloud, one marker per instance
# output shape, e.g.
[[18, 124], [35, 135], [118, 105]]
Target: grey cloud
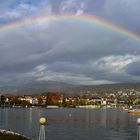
[[18, 10], [134, 68], [69, 51], [70, 48], [123, 12], [73, 7]]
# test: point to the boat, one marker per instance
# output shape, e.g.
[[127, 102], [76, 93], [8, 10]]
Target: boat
[[89, 106], [134, 111], [52, 107], [126, 109]]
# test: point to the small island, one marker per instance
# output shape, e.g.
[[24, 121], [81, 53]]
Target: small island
[[8, 135]]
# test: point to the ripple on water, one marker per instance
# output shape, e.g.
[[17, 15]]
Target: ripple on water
[[71, 124]]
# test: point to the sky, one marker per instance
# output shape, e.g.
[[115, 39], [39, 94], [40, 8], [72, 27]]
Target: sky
[[67, 50]]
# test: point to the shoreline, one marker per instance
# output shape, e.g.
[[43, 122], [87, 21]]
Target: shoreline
[[59, 107]]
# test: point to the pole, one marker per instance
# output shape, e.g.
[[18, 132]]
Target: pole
[[138, 129], [42, 132]]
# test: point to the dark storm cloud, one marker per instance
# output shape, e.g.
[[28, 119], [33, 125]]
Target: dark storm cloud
[[75, 51], [123, 12], [70, 51], [134, 68]]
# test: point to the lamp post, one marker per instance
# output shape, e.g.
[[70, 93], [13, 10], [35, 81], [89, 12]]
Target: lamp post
[[42, 122]]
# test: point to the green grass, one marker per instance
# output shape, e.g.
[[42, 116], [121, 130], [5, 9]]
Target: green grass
[[4, 136]]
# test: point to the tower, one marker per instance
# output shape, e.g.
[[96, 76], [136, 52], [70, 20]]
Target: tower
[[42, 121]]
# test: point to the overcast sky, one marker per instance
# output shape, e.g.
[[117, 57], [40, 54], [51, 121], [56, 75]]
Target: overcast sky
[[72, 52]]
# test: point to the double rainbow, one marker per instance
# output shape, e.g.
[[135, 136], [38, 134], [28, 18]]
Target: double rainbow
[[92, 19]]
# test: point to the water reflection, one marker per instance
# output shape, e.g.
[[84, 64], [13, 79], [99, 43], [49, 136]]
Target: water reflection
[[71, 124]]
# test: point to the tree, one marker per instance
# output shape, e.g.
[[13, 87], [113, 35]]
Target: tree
[[40, 100]]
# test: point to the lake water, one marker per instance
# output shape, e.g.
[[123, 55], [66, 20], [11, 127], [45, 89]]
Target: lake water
[[71, 124]]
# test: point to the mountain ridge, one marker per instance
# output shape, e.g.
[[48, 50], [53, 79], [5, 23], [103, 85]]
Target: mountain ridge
[[44, 86]]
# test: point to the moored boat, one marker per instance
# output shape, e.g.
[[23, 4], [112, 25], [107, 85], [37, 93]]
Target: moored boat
[[52, 107], [126, 109], [134, 111]]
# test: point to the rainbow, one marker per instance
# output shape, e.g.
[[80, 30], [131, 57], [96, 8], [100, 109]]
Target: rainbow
[[82, 18]]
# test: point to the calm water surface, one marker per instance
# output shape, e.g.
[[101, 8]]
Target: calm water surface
[[71, 124]]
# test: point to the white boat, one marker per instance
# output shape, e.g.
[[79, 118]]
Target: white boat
[[52, 106]]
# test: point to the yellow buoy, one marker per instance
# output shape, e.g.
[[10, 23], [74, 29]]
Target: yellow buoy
[[42, 120]]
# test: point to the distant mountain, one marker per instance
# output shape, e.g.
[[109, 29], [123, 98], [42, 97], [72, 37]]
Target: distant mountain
[[110, 87], [35, 87], [44, 86]]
